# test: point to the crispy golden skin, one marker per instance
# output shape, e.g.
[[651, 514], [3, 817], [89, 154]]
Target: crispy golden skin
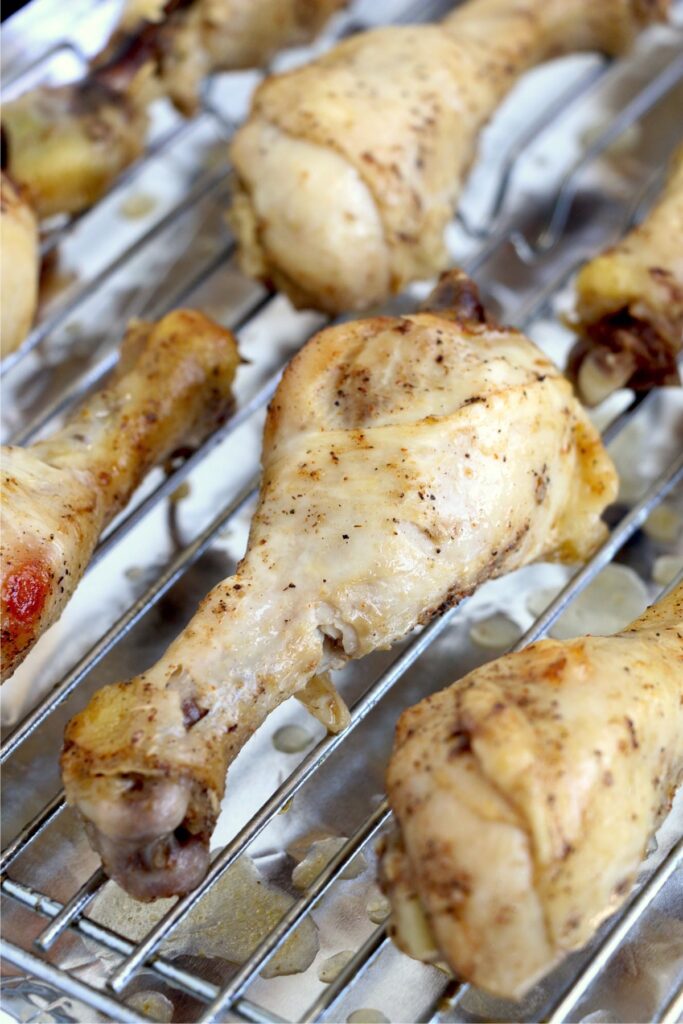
[[172, 387], [18, 266], [350, 168], [629, 308], [525, 795], [405, 461]]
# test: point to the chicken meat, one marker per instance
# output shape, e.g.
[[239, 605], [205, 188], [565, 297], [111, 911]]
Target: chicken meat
[[405, 461], [350, 168], [197, 37], [18, 266], [525, 796], [58, 494], [67, 144], [630, 304]]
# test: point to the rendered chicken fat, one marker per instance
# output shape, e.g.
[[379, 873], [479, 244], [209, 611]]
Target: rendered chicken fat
[[525, 796], [385, 438]]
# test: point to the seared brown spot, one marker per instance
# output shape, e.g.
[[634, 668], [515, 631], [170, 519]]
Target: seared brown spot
[[24, 591]]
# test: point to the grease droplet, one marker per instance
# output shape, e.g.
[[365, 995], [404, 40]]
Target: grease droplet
[[319, 856], [291, 739], [666, 569], [154, 1004], [137, 205], [497, 631], [378, 908], [334, 965]]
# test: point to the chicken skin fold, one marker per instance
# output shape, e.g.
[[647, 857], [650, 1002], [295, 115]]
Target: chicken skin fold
[[350, 168], [19, 266], [59, 494], [629, 310], [525, 796], [405, 461]]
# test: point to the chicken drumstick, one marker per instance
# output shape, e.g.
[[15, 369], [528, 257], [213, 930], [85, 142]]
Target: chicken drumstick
[[350, 168], [525, 795], [405, 461], [171, 389], [18, 266], [67, 144], [198, 37], [630, 304]]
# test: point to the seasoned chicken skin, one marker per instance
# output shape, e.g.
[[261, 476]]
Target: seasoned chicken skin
[[405, 461], [197, 37], [350, 168], [18, 266], [172, 387], [525, 795], [630, 304]]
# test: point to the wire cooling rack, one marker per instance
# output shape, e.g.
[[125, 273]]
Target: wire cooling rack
[[524, 250]]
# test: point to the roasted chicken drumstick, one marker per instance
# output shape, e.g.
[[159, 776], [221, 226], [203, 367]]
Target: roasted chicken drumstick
[[67, 144], [630, 304], [198, 37], [405, 461], [525, 795], [350, 168], [172, 388], [18, 266]]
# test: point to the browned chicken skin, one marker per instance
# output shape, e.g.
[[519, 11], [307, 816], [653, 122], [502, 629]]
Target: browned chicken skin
[[350, 168], [171, 389], [405, 461], [629, 309], [525, 796]]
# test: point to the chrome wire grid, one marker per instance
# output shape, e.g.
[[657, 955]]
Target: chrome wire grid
[[486, 239]]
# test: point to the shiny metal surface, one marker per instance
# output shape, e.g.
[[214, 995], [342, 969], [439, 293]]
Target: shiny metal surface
[[572, 159]]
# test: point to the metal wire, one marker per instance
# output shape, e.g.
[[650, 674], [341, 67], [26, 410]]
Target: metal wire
[[187, 557], [536, 127], [144, 953], [68, 983], [608, 948], [672, 1012], [648, 97], [351, 972], [295, 915], [168, 971], [209, 184], [602, 557]]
